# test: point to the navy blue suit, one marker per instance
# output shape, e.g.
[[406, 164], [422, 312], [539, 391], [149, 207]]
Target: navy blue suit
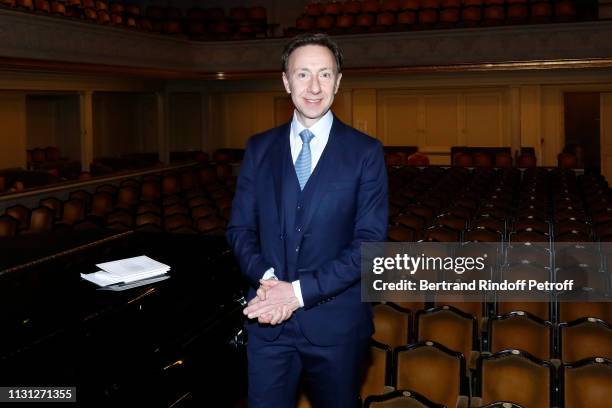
[[313, 235]]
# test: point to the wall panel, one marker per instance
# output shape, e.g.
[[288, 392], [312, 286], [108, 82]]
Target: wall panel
[[185, 121], [14, 131], [398, 119]]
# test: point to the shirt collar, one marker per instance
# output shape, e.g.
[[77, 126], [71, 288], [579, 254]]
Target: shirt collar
[[321, 129]]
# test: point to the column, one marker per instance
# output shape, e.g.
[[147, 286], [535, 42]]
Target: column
[[87, 136], [162, 127]]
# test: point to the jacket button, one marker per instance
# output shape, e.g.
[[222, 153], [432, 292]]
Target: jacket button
[[297, 248], [298, 229]]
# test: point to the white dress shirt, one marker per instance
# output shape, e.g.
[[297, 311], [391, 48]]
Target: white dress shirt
[[321, 131]]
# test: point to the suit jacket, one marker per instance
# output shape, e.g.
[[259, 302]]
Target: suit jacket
[[348, 205]]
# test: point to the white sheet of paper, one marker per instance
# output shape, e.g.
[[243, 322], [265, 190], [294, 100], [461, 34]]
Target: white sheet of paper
[[141, 266], [101, 278]]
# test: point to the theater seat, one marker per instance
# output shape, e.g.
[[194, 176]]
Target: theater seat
[[107, 188], [513, 375], [148, 218], [82, 195], [8, 226], [482, 235], [411, 221], [399, 233], [150, 191], [574, 310], [101, 204], [565, 10], [400, 399], [148, 207], [178, 222], [441, 234], [170, 184], [187, 180], [120, 216], [585, 338], [127, 197], [172, 200], [443, 381], [539, 309], [377, 370], [174, 209], [21, 214], [587, 383], [202, 211], [392, 324], [207, 175], [474, 309], [41, 220], [210, 225], [522, 331], [454, 329], [73, 211]]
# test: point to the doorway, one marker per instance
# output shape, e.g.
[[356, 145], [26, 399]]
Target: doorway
[[582, 117]]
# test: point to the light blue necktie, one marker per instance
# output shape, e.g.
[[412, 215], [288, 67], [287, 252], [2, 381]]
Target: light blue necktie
[[303, 163]]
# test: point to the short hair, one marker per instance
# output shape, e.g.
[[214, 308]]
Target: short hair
[[312, 39]]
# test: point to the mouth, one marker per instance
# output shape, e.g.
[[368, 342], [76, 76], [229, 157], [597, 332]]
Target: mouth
[[312, 101]]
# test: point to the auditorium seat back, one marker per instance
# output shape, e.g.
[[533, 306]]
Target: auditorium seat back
[[443, 379], [587, 383], [392, 325], [512, 375], [376, 378]]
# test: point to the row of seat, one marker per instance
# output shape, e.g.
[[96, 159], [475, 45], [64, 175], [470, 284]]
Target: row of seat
[[128, 10], [46, 166], [427, 374], [354, 7], [392, 15], [508, 206], [472, 333], [198, 23], [15, 180], [535, 205], [190, 201], [421, 208], [499, 159], [50, 160], [40, 155]]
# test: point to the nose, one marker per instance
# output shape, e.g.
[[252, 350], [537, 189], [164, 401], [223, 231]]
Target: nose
[[315, 86]]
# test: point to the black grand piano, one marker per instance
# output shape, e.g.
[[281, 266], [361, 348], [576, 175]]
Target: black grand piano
[[174, 343]]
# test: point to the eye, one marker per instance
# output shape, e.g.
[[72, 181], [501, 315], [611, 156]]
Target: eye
[[326, 75], [302, 75]]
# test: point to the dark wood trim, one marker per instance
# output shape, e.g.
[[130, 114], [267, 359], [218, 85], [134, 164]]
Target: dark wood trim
[[50, 66], [94, 181]]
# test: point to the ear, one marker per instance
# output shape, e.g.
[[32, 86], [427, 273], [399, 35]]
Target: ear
[[337, 83], [286, 83]]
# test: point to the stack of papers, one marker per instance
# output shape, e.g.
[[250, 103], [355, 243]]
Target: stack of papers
[[127, 270]]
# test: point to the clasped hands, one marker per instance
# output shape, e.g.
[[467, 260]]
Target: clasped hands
[[275, 302]]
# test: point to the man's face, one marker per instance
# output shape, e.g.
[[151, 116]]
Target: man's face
[[312, 81]]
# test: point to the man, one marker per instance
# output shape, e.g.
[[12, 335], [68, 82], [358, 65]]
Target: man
[[309, 193]]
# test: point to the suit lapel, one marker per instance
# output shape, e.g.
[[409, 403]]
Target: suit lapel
[[279, 156], [324, 171]]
